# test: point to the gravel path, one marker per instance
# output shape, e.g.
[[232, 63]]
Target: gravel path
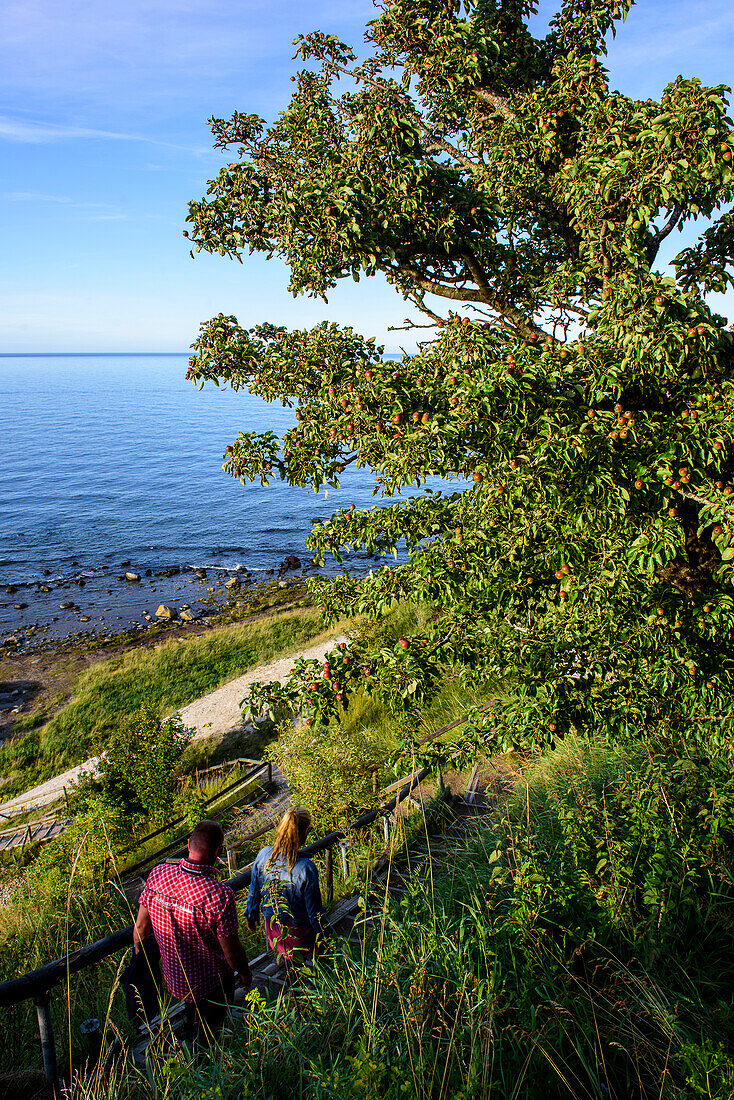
[[219, 712], [210, 716]]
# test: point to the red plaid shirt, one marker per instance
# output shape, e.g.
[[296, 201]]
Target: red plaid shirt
[[189, 909]]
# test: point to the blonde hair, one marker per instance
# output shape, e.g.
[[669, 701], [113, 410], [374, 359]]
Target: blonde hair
[[294, 824]]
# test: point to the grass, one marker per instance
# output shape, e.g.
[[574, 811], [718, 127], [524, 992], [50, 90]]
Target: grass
[[448, 999], [499, 978], [470, 988], [168, 676]]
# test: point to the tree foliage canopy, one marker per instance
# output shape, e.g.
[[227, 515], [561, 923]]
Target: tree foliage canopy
[[586, 394]]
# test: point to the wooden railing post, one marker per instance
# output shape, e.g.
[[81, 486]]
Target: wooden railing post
[[270, 772], [386, 829], [46, 1032], [441, 785], [343, 846], [329, 871]]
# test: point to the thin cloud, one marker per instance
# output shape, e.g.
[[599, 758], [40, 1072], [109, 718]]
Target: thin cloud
[[33, 196], [81, 211], [40, 133]]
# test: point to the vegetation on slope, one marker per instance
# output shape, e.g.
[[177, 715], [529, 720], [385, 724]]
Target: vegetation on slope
[[174, 673], [550, 959]]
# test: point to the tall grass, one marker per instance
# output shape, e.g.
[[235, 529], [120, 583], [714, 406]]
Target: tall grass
[[454, 994]]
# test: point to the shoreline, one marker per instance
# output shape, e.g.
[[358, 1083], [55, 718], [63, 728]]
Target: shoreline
[[91, 606], [95, 606]]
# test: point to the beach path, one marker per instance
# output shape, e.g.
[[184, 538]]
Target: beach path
[[210, 716]]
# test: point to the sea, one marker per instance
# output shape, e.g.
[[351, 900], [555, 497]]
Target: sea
[[116, 459]]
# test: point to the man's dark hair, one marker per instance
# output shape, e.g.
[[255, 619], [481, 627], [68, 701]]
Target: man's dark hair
[[206, 839]]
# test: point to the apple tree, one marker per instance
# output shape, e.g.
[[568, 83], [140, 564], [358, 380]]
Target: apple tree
[[573, 374]]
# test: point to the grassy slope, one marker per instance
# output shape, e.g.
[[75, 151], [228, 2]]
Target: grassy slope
[[472, 989], [169, 676]]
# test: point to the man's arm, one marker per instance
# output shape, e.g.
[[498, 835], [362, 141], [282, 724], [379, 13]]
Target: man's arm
[[142, 928], [236, 957]]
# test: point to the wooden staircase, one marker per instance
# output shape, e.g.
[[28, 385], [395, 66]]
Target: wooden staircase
[[351, 919]]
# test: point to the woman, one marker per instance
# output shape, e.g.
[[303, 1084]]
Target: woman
[[285, 886]]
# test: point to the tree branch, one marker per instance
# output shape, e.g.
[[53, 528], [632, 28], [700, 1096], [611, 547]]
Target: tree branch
[[499, 103], [667, 229], [447, 147]]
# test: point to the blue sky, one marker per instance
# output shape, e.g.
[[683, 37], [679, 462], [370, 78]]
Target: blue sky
[[103, 140]]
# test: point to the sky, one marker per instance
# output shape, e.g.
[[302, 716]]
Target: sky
[[103, 141]]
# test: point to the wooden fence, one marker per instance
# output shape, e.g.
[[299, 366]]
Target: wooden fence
[[37, 985]]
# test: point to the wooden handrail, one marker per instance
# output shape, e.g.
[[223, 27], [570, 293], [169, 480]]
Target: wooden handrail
[[175, 845], [37, 983], [177, 821], [227, 764]]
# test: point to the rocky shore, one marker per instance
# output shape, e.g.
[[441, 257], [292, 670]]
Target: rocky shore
[[89, 606]]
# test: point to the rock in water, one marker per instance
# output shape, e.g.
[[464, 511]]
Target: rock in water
[[132, 577], [289, 563], [233, 582], [166, 612]]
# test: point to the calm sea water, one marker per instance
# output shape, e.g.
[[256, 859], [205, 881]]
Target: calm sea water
[[110, 458]]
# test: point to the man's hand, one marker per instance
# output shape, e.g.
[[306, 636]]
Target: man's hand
[[252, 924], [245, 978], [142, 928], [236, 957]]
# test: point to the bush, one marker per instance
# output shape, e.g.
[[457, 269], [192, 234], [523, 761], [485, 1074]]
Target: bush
[[331, 771], [139, 767]]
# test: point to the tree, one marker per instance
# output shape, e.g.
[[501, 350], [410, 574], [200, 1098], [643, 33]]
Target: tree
[[586, 396]]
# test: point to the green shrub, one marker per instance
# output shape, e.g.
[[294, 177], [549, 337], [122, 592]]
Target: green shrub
[[139, 766], [330, 770]]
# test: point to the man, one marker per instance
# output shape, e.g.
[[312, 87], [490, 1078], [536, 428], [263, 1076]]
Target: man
[[194, 920]]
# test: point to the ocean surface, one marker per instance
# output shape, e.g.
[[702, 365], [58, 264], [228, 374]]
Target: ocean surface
[[115, 458]]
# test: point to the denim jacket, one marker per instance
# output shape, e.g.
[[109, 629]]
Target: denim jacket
[[287, 897]]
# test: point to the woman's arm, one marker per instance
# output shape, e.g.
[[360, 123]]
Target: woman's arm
[[312, 897], [252, 910]]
